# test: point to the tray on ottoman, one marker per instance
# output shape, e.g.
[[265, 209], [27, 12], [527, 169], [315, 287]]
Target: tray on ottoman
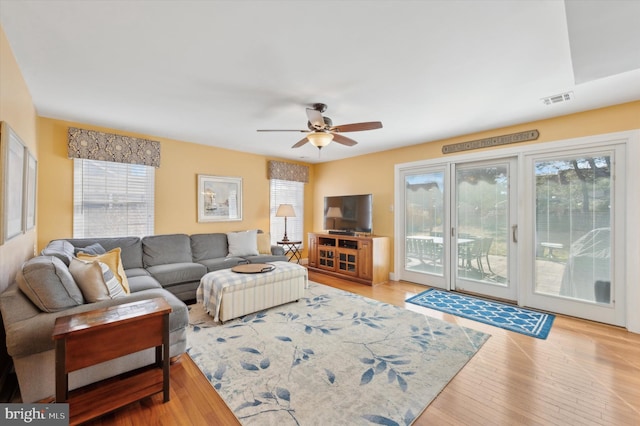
[[253, 268], [226, 294]]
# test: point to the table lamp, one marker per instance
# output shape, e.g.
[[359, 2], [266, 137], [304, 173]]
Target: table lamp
[[285, 210]]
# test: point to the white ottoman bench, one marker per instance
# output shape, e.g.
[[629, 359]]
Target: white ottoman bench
[[226, 294]]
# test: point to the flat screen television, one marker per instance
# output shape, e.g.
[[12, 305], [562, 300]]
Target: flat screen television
[[348, 214]]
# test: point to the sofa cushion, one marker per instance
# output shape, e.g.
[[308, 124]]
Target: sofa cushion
[[61, 249], [96, 280], [277, 250], [111, 258], [47, 282], [185, 291], [94, 248], [222, 263], [131, 248], [264, 258], [142, 282], [244, 243], [175, 273], [264, 243], [136, 272], [166, 249], [209, 246]]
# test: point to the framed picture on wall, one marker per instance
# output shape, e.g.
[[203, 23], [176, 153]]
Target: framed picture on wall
[[30, 185], [219, 198], [12, 152]]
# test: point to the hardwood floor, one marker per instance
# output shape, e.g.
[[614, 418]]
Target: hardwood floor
[[584, 373]]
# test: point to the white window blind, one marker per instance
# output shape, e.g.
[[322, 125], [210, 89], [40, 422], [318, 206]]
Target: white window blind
[[112, 199], [286, 192]]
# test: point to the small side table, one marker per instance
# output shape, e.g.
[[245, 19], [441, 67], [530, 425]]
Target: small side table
[[291, 248], [100, 335]]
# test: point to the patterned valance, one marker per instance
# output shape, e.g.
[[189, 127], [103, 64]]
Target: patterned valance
[[288, 171], [94, 145]]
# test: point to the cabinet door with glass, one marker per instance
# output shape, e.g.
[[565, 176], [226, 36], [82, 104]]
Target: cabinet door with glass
[[327, 258], [326, 253], [348, 261]]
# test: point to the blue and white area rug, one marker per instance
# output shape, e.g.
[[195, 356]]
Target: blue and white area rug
[[332, 358], [509, 317]]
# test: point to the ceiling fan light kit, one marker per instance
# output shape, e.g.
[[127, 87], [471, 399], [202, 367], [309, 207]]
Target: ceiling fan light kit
[[323, 132], [320, 139]]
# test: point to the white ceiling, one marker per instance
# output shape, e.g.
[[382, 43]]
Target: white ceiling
[[212, 72]]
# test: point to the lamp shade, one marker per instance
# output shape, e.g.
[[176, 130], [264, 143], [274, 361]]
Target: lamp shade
[[285, 210], [334, 212], [320, 139]]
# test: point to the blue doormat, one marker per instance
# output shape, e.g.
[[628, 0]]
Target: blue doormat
[[509, 317]]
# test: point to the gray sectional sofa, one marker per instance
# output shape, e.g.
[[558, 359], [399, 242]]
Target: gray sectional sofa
[[176, 261], [168, 266]]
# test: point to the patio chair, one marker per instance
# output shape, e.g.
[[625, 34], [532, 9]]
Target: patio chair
[[468, 252], [483, 245], [431, 251]]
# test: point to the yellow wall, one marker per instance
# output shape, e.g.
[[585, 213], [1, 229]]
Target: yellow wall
[[374, 173], [175, 184], [176, 179], [16, 108]]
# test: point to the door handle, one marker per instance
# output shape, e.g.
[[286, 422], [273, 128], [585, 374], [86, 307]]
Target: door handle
[[514, 233]]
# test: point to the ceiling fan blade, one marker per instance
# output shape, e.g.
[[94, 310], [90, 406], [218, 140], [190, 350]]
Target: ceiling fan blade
[[300, 142], [281, 130], [357, 127], [343, 140], [315, 118]]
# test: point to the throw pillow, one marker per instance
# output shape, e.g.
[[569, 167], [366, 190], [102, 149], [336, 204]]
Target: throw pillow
[[264, 243], [112, 259], [62, 249], [47, 282], [243, 243], [94, 248], [95, 279]]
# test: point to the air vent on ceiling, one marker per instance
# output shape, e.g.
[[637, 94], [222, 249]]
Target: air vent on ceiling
[[556, 99]]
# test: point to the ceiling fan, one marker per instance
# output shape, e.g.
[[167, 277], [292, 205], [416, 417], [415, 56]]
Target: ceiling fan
[[322, 131]]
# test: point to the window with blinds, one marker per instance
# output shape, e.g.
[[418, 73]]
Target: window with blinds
[[112, 199], [286, 192]]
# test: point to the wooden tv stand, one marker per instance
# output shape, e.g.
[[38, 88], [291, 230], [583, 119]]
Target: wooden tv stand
[[361, 259]]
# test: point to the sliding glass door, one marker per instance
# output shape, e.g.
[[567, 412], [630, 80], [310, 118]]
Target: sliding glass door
[[424, 223], [544, 228], [458, 236], [484, 231], [574, 219]]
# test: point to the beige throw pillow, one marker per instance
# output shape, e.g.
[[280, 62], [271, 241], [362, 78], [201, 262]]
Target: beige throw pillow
[[96, 280], [111, 258], [264, 243]]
